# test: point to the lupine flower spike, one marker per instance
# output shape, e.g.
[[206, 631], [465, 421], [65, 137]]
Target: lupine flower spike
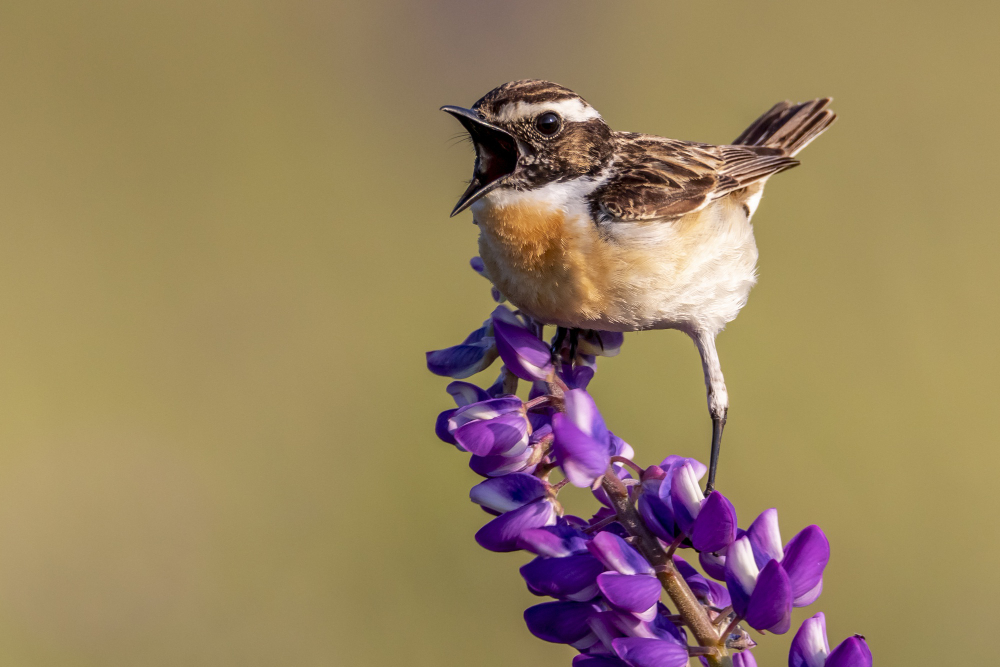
[[607, 574]]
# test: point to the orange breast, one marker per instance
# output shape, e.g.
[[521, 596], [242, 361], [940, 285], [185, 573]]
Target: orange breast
[[554, 267]]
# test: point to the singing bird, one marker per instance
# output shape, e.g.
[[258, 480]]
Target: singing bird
[[584, 227]]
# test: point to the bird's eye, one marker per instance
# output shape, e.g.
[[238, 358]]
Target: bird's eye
[[548, 123]]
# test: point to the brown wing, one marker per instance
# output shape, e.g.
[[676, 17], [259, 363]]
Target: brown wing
[[662, 179]]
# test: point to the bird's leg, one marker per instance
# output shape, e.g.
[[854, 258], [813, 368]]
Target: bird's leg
[[558, 342], [574, 342], [718, 397]]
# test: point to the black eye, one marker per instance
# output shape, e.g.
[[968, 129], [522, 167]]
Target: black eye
[[548, 123]]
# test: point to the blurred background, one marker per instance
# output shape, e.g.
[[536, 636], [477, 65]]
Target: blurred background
[[225, 247]]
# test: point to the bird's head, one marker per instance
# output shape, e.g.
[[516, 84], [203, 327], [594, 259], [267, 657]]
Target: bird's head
[[531, 133]]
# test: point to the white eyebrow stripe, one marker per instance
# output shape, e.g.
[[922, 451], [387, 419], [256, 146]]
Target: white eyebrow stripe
[[573, 110]]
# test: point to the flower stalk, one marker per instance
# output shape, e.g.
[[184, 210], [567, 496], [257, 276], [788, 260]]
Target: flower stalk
[[607, 574], [690, 610]]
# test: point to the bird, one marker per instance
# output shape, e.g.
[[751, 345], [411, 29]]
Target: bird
[[587, 228]]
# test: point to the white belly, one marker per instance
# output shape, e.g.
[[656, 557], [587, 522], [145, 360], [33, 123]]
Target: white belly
[[700, 274]]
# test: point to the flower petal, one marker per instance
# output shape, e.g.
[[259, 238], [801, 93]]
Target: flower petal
[[560, 622], [685, 497], [583, 412], [852, 652], [668, 464], [741, 574], [715, 527], [714, 564], [441, 426], [509, 492], [809, 596], [809, 646], [465, 393], [554, 541], [765, 538], [697, 583], [744, 659], [583, 459], [461, 361], [659, 628], [571, 577], [770, 605], [598, 661], [502, 533], [621, 448], [631, 592], [577, 377], [495, 466], [523, 353], [656, 514], [640, 652], [718, 595], [485, 410], [618, 555], [806, 556], [506, 434]]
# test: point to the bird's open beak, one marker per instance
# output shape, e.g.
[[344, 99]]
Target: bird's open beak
[[496, 155]]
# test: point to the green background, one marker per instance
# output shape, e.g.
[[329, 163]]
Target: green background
[[225, 246]]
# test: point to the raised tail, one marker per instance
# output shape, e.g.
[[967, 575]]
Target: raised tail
[[789, 127]]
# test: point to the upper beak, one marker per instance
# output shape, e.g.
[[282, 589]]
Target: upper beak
[[496, 155]]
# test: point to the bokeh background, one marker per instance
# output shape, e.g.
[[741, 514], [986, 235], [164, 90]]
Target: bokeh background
[[225, 246]]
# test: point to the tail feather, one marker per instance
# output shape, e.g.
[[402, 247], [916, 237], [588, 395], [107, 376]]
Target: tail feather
[[789, 127]]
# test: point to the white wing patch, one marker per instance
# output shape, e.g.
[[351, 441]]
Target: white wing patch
[[573, 110]]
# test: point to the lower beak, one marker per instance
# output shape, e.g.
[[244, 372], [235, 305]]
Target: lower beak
[[496, 156]]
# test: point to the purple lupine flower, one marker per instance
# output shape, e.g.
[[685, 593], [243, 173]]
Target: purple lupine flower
[[507, 493], [572, 577], [660, 627], [673, 506], [607, 595], [506, 435], [612, 626], [466, 393], [496, 466], [709, 522], [618, 555], [656, 504], [635, 593], [497, 426], [555, 541], [810, 648], [523, 353], [583, 660], [503, 532], [463, 393], [561, 622], [642, 652], [714, 564], [582, 442], [582, 459], [485, 410], [709, 592], [761, 596], [804, 557], [474, 354]]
